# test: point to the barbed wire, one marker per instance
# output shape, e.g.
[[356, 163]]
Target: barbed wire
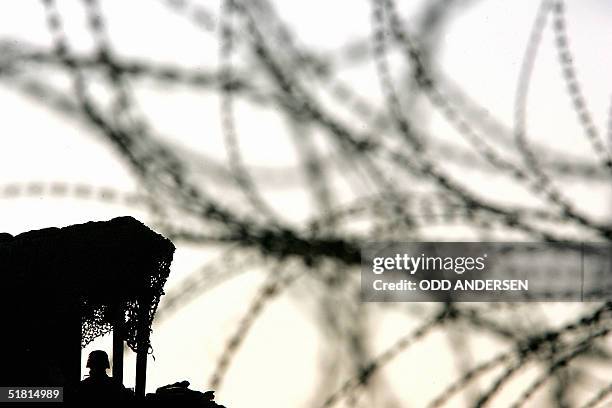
[[278, 280], [574, 90], [401, 174]]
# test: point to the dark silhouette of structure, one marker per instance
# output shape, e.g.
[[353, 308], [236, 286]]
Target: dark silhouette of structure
[[72, 285], [375, 169]]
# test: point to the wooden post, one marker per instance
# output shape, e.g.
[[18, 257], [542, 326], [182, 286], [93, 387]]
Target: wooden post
[[142, 345], [118, 319]]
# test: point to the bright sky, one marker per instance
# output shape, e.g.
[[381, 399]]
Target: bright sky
[[280, 359]]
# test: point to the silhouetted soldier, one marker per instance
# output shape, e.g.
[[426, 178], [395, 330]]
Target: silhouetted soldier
[[99, 388]]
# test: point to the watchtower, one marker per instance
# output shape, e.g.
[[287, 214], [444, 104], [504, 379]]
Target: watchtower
[[63, 287]]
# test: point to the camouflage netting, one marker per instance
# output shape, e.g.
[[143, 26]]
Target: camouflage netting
[[93, 268]]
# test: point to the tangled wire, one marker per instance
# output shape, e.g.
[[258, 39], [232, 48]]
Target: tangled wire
[[371, 169]]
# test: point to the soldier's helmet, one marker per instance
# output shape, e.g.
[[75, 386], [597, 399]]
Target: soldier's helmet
[[98, 359]]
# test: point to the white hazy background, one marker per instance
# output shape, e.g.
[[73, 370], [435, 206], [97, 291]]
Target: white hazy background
[[279, 361]]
